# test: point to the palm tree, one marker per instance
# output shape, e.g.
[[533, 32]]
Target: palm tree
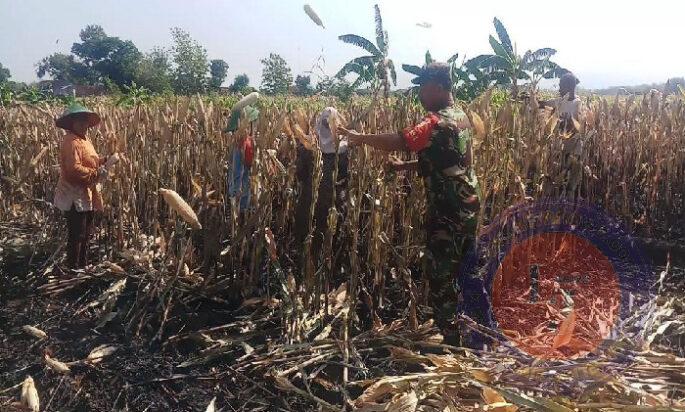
[[376, 67], [506, 67]]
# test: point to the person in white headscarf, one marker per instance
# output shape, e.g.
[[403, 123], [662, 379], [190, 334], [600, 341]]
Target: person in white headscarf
[[332, 148]]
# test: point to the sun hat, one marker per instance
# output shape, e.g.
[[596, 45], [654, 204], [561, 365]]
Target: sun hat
[[73, 111]]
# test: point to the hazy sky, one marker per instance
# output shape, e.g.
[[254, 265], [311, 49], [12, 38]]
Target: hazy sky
[[604, 42]]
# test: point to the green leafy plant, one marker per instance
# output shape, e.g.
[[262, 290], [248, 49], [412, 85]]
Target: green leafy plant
[[6, 95], [34, 95], [375, 69], [506, 67], [468, 80], [134, 95]]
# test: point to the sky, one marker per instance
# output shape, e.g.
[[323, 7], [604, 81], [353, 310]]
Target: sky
[[604, 42]]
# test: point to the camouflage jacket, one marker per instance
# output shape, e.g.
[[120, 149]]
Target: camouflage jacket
[[445, 162]]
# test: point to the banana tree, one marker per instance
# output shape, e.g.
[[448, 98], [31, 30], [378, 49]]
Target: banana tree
[[375, 69], [506, 67], [468, 80]]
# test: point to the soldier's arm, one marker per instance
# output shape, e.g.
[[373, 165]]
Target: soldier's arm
[[388, 142], [399, 165]]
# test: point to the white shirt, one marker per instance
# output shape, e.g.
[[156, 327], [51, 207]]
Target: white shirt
[[566, 108], [326, 138]]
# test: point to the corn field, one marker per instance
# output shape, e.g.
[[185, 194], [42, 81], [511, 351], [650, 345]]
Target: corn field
[[628, 159], [630, 162]]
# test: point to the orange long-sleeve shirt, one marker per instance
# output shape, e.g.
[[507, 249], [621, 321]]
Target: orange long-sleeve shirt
[[78, 178]]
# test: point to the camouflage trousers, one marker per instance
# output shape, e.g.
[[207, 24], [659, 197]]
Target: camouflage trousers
[[454, 287]]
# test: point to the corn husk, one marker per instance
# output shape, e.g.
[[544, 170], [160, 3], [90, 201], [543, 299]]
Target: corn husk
[[114, 268], [181, 207], [478, 125], [35, 332], [56, 365], [29, 395], [312, 15], [246, 101], [39, 156]]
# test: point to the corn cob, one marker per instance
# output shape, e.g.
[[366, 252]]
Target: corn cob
[[35, 332], [312, 15], [211, 407], [56, 365], [181, 207], [246, 101], [100, 352], [29, 395]]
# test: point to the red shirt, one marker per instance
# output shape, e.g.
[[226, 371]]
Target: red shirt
[[248, 150]]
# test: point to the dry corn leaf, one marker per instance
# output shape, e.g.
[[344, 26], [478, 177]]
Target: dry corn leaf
[[563, 337], [35, 332], [496, 402], [405, 402], [478, 125], [551, 124], [271, 244], [481, 375], [114, 268], [39, 156]]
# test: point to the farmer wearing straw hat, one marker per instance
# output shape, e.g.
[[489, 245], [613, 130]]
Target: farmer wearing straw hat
[[81, 169], [443, 143]]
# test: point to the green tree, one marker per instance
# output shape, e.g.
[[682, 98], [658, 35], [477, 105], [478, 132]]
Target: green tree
[[303, 86], [336, 87], [241, 83], [154, 71], [190, 63], [218, 69], [506, 67], [276, 75], [110, 57], [376, 68], [98, 58], [63, 67], [4, 74]]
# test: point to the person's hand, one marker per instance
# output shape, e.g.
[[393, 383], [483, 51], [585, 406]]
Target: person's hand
[[102, 173], [112, 160], [395, 164], [353, 137]]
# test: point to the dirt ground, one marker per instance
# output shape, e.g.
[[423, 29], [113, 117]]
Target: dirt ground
[[143, 374]]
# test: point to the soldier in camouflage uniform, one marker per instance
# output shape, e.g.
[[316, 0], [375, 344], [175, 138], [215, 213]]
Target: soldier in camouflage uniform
[[443, 143]]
